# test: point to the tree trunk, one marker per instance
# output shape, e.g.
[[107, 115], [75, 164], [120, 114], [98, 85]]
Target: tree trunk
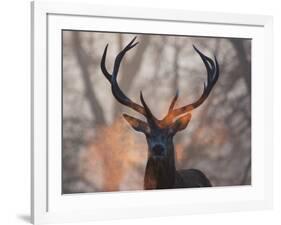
[[82, 60]]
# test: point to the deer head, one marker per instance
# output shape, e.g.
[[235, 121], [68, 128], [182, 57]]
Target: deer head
[[159, 133]]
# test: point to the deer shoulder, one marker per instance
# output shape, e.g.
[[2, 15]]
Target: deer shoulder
[[190, 178]]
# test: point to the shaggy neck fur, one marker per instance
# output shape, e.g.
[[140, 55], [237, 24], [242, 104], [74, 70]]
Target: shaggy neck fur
[[160, 174]]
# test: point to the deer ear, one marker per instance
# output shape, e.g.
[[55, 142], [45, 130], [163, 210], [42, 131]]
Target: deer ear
[[180, 124], [137, 124]]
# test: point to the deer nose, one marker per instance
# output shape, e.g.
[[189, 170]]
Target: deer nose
[[158, 150]]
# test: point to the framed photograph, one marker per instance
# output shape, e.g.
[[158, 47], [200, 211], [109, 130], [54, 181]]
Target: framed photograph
[[146, 112]]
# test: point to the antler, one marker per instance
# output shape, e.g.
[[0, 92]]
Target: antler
[[212, 68], [117, 92]]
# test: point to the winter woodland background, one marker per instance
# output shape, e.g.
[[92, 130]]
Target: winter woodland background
[[100, 150]]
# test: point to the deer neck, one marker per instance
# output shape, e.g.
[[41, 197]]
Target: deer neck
[[160, 174]]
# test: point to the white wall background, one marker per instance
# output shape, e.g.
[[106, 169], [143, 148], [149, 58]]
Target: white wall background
[[15, 109]]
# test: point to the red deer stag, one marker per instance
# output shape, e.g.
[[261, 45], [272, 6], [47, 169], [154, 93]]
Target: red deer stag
[[160, 172]]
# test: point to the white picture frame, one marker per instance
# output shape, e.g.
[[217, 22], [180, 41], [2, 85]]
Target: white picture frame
[[48, 205]]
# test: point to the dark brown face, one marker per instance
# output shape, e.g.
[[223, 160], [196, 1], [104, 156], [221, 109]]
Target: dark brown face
[[159, 137]]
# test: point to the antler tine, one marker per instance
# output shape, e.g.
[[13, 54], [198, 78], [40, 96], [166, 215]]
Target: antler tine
[[150, 117], [112, 78], [118, 59], [212, 69], [120, 56], [174, 101], [102, 65]]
